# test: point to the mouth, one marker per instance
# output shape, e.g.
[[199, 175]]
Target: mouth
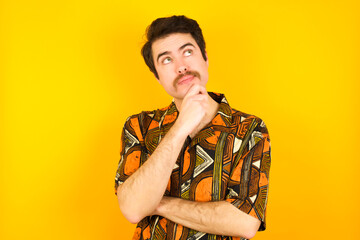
[[186, 78]]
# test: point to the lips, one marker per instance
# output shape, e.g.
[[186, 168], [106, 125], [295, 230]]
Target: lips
[[185, 79]]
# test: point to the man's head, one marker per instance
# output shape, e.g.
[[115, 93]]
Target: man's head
[[163, 27], [175, 48]]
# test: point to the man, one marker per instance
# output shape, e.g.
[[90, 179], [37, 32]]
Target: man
[[196, 169]]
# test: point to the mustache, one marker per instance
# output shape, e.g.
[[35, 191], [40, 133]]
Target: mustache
[[194, 73]]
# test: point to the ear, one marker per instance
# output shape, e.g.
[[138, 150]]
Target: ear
[[207, 58]]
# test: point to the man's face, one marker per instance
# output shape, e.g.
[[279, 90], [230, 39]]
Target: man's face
[[179, 64]]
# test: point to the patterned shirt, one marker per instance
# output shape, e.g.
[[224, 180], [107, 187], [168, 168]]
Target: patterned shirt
[[229, 159]]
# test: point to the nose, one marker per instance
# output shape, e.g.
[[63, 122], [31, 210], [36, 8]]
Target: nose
[[182, 69]]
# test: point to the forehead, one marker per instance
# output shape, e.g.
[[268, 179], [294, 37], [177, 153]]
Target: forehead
[[172, 42]]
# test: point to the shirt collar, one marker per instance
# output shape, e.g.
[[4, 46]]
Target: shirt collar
[[222, 119], [224, 109], [224, 114]]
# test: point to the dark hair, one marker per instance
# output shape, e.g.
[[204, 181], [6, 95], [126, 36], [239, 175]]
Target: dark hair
[[162, 27]]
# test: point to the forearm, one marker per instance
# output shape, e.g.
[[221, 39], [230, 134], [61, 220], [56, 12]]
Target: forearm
[[141, 193], [220, 218]]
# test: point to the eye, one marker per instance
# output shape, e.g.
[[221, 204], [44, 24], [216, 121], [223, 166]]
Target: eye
[[166, 60], [188, 52]]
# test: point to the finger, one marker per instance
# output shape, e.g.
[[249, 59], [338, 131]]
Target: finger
[[198, 97], [202, 90], [193, 90]]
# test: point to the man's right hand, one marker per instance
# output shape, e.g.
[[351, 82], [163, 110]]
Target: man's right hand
[[192, 110], [141, 193]]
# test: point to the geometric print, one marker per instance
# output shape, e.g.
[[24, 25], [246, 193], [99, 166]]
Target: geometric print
[[203, 160], [227, 160]]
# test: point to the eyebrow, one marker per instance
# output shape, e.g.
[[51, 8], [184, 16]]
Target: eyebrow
[[180, 48], [185, 45], [161, 54]]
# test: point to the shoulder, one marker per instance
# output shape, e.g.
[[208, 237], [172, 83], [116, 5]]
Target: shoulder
[[146, 115], [140, 117], [245, 116], [251, 122], [139, 123]]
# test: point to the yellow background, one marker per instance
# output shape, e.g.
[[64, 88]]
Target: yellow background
[[71, 73]]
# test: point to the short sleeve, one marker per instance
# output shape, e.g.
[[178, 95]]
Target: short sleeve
[[132, 153], [249, 178]]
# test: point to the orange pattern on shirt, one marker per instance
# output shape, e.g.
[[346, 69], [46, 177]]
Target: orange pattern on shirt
[[227, 160]]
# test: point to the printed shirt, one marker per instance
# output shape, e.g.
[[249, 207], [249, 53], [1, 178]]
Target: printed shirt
[[229, 159]]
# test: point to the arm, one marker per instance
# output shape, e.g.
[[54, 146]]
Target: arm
[[220, 218], [141, 193], [242, 213], [137, 198]]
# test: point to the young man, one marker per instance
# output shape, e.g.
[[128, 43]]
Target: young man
[[197, 169]]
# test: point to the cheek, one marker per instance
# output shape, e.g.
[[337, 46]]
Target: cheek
[[204, 69], [164, 72], [205, 75]]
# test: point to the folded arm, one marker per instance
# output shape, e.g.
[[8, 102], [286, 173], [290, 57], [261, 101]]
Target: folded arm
[[220, 218]]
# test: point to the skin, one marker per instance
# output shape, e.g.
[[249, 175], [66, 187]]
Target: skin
[[175, 55], [183, 73]]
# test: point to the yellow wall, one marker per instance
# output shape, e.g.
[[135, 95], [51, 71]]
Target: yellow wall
[[71, 72]]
